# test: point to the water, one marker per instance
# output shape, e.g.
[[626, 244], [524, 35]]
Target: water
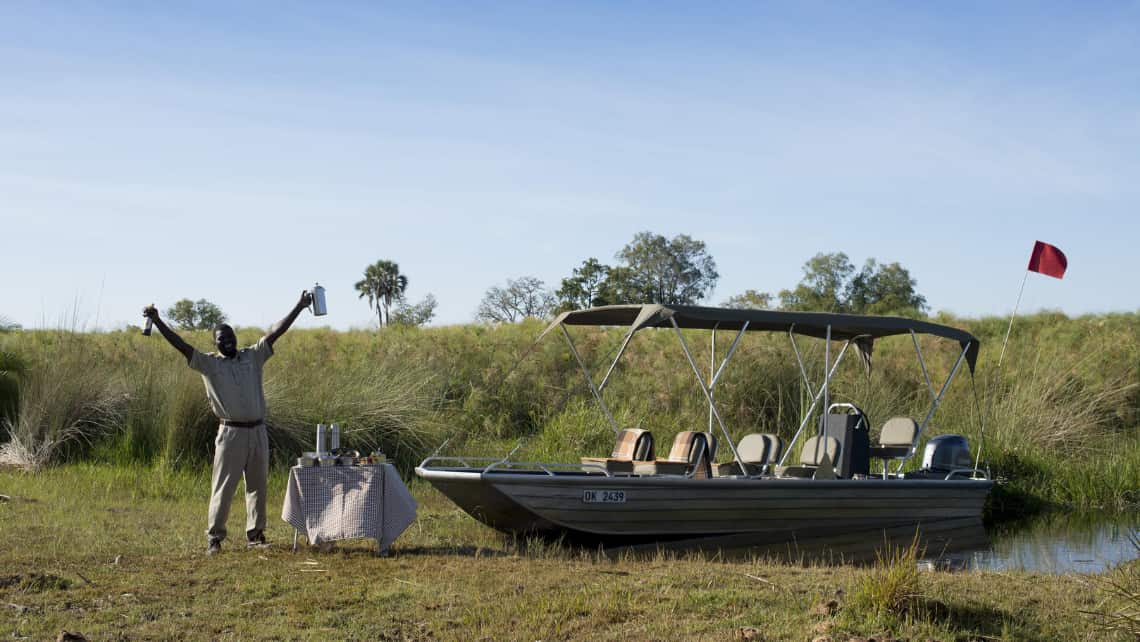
[[1090, 543], [1056, 544]]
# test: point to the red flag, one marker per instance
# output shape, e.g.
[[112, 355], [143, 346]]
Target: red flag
[[1048, 260]]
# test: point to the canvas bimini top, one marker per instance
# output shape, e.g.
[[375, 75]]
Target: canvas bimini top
[[859, 329]]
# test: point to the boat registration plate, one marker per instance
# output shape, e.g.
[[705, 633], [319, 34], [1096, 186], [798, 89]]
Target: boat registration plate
[[603, 496]]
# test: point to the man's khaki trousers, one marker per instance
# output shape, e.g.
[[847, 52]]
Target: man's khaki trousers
[[240, 451]]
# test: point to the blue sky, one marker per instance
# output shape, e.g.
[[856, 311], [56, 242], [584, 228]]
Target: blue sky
[[150, 152]]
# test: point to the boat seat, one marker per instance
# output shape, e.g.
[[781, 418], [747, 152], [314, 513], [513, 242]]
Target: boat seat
[[817, 459], [689, 456], [633, 444], [757, 451], [896, 440]]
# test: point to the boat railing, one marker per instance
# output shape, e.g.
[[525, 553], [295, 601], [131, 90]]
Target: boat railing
[[466, 462], [975, 473], [546, 467]]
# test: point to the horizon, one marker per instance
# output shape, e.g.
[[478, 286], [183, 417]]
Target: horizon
[[240, 154]]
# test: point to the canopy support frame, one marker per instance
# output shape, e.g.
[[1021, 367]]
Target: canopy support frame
[[922, 364], [935, 402], [815, 399], [712, 370], [799, 358], [707, 389], [590, 380], [715, 376], [621, 351], [826, 376]]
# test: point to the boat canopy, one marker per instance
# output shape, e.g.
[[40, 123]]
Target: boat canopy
[[859, 329]]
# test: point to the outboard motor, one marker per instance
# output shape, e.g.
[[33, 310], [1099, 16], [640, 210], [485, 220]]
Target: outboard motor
[[942, 456]]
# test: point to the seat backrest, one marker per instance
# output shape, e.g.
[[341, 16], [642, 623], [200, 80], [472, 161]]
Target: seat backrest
[[753, 448], [627, 443], [898, 431], [775, 448], [643, 451], [816, 447], [683, 446], [691, 448]]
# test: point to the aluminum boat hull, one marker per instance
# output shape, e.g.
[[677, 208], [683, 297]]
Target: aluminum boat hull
[[661, 508]]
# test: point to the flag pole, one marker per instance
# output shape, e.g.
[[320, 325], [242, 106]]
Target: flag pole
[[1011, 318], [993, 377], [1044, 259]]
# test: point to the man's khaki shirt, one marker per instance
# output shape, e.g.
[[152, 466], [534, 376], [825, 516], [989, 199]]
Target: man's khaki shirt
[[234, 385]]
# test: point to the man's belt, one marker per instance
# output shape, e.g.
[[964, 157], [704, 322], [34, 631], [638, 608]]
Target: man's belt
[[242, 424]]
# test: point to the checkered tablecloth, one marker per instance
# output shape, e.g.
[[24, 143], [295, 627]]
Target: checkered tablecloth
[[343, 502]]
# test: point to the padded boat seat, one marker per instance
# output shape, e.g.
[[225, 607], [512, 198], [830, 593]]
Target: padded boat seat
[[817, 459], [895, 440], [689, 456], [633, 444], [757, 451]]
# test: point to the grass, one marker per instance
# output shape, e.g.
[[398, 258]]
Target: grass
[[892, 588], [107, 539], [116, 552], [1062, 414], [1119, 610]]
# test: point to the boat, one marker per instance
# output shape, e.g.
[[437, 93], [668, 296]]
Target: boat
[[760, 492]]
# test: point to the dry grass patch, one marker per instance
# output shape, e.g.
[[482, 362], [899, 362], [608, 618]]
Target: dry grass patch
[[1118, 610]]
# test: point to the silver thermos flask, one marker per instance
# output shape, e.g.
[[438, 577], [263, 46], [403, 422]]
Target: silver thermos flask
[[149, 324], [334, 438], [320, 440], [319, 308]]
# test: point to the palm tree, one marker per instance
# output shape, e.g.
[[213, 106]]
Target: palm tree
[[382, 284]]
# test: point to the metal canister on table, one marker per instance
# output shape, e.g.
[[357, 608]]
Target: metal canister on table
[[334, 438], [321, 439]]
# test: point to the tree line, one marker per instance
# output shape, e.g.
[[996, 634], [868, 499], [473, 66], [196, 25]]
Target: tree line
[[649, 269], [679, 271]]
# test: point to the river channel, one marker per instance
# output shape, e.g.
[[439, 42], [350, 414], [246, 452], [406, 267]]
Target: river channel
[[1056, 543], [1062, 543]]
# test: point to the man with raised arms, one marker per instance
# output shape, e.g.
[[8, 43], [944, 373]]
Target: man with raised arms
[[233, 387]]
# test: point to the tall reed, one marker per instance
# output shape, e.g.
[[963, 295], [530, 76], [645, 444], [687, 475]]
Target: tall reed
[[66, 403], [383, 404], [11, 367], [1061, 413]]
